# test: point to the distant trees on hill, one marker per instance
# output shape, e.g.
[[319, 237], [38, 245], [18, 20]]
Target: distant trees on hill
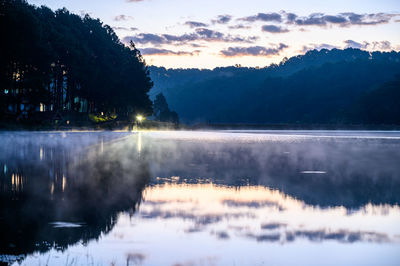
[[60, 62], [348, 86], [381, 105]]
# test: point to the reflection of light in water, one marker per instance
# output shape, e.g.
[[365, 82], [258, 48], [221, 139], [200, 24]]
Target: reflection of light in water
[[41, 153], [13, 182], [66, 225], [102, 145], [139, 142], [64, 182], [17, 183], [5, 169], [313, 172]]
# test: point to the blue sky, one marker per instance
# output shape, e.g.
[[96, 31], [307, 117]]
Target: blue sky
[[210, 33]]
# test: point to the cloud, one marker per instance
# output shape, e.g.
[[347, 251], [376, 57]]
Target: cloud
[[123, 18], [195, 45], [195, 24], [168, 38], [376, 45], [274, 29], [263, 17], [253, 51], [318, 47], [382, 45], [320, 19], [356, 45], [239, 26], [157, 51], [125, 28], [144, 38], [209, 34], [200, 34], [368, 19], [325, 46], [222, 19], [290, 16], [342, 19]]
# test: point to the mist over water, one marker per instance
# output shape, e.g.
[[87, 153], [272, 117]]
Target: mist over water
[[200, 198]]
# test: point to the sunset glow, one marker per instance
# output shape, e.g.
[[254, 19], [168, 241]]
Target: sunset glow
[[208, 34]]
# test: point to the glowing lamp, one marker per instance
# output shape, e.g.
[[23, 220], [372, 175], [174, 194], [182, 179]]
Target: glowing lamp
[[139, 118]]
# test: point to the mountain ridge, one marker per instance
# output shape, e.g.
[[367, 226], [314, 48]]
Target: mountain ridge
[[280, 93]]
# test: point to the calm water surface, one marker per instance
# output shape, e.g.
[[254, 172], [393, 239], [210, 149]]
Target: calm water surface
[[200, 198]]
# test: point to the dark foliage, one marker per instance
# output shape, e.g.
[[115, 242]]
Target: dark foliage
[[100, 186], [321, 87], [60, 62], [381, 105], [162, 112]]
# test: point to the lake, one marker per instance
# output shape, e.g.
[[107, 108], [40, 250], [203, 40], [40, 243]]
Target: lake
[[200, 198]]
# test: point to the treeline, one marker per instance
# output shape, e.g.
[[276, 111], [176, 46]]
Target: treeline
[[348, 86], [59, 62]]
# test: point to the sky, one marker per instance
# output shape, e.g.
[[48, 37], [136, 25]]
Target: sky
[[254, 33]]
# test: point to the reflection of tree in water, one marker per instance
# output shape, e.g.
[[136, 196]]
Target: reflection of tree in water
[[43, 184], [322, 172], [43, 181]]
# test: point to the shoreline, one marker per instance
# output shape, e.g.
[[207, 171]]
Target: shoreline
[[131, 128], [245, 126]]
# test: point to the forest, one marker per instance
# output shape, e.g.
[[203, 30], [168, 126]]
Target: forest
[[58, 66], [332, 87]]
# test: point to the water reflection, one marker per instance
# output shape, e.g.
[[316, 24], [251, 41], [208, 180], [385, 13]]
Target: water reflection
[[55, 182], [237, 195], [320, 170], [262, 214]]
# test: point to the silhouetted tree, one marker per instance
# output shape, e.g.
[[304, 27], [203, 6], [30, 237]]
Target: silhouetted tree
[[66, 63], [162, 111]]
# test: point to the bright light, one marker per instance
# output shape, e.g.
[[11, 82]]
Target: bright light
[[139, 118]]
